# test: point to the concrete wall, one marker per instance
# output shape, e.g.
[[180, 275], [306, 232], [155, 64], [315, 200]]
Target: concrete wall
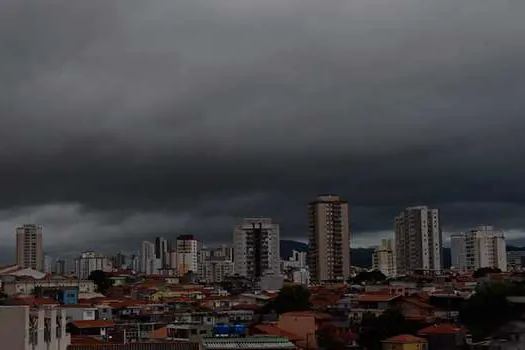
[[14, 321]]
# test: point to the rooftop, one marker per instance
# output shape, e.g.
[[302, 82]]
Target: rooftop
[[377, 298], [444, 328], [274, 330], [93, 324], [253, 342], [405, 339]]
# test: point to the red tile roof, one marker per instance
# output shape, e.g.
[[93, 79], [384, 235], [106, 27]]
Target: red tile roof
[[31, 301], [405, 339], [94, 324], [418, 302], [317, 315], [444, 328], [370, 297], [271, 329]]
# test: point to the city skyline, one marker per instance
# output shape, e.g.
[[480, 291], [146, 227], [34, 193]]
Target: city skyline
[[131, 122], [7, 252]]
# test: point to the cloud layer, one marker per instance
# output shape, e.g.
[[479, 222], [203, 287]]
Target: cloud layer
[[121, 120]]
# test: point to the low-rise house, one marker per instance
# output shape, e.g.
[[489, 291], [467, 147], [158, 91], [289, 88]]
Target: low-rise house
[[248, 298], [372, 303], [304, 324], [413, 308], [26, 285], [404, 342], [444, 336], [80, 312], [93, 327]]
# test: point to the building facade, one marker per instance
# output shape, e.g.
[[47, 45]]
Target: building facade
[[383, 258], [29, 247], [329, 239], [187, 249], [458, 252], [256, 248], [418, 241], [216, 268], [89, 262], [25, 328], [149, 264], [515, 260], [162, 251], [483, 246]]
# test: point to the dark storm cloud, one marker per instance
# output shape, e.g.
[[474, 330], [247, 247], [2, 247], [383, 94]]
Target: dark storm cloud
[[133, 118]]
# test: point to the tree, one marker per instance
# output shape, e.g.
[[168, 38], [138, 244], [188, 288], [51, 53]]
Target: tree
[[375, 329], [484, 271], [101, 280], [290, 298], [488, 309], [369, 276]]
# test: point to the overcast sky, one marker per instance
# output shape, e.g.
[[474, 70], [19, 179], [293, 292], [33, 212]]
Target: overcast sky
[[121, 120]]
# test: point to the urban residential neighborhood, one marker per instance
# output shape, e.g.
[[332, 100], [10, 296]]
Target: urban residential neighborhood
[[180, 294]]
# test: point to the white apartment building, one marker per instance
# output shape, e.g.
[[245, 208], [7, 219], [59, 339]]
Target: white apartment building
[[483, 246], [383, 258], [187, 249], [256, 248], [298, 260], [216, 269], [149, 264], [301, 276], [25, 328], [418, 241], [89, 262]]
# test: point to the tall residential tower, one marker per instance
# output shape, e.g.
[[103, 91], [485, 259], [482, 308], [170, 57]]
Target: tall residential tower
[[329, 239], [256, 248], [483, 246], [418, 241], [29, 247]]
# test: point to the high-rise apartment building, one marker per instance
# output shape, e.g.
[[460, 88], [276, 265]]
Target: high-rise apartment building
[[256, 248], [298, 260], [418, 241], [48, 264], [89, 262], [162, 251], [458, 252], [383, 258], [329, 239], [61, 267], [483, 246], [149, 264], [215, 269], [29, 247], [187, 248], [515, 260]]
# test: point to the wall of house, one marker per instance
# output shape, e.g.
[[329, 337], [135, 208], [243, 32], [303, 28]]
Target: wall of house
[[14, 321], [304, 326]]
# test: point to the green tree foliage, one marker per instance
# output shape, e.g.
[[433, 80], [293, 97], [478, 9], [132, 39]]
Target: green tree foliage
[[488, 309], [290, 298], [484, 271], [369, 276], [101, 280], [390, 323]]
